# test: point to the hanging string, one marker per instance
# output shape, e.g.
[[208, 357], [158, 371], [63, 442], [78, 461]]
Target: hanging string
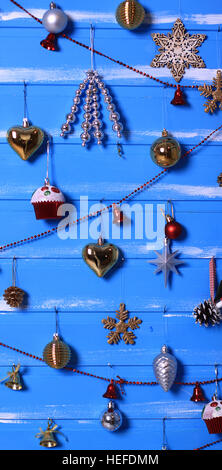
[[56, 319], [47, 164], [102, 231], [216, 382], [92, 36], [25, 100], [164, 447], [14, 271]]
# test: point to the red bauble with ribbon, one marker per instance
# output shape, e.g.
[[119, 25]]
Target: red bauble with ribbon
[[172, 228]]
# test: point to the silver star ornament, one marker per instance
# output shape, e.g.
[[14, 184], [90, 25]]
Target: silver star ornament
[[166, 261]]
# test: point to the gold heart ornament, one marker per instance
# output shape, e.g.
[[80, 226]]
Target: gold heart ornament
[[100, 257], [25, 140]]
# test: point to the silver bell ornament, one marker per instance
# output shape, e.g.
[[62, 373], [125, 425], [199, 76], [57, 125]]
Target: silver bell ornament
[[55, 21], [165, 369], [165, 151], [111, 419]]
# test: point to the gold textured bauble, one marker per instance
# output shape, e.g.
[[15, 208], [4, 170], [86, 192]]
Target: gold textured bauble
[[165, 151], [56, 353], [25, 140], [130, 14]]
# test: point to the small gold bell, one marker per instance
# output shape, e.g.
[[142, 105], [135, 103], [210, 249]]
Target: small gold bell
[[48, 440], [47, 436], [14, 381]]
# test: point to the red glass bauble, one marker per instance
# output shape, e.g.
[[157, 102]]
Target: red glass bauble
[[49, 43], [111, 391], [173, 229], [178, 97]]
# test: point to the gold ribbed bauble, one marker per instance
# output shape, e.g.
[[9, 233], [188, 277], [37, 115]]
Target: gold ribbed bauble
[[56, 353], [130, 14]]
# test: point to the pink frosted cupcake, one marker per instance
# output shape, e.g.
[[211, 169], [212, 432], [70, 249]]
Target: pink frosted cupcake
[[46, 201], [212, 415]]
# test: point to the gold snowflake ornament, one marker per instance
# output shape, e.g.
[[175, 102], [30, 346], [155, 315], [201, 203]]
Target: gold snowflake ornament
[[121, 327], [178, 50], [213, 92]]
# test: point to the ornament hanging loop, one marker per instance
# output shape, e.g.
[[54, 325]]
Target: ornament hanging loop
[[164, 447], [216, 381], [25, 119], [92, 36], [48, 155], [14, 271]]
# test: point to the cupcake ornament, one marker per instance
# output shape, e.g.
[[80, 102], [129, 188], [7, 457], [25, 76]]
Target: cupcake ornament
[[47, 199], [212, 416]]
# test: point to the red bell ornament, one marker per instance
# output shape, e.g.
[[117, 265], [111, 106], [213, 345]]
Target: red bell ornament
[[178, 97], [49, 43], [172, 228], [111, 391], [198, 395]]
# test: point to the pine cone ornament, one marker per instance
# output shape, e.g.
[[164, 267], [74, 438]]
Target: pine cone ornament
[[207, 314], [14, 296]]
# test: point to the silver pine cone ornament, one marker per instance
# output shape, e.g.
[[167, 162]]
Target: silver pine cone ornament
[[165, 369], [92, 124], [14, 296], [207, 314]]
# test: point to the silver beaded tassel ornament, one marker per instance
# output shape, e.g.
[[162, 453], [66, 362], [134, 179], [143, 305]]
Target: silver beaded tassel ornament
[[92, 125], [165, 369]]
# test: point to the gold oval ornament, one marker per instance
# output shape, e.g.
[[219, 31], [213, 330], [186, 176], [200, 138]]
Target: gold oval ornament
[[56, 354], [25, 140], [130, 14], [100, 257]]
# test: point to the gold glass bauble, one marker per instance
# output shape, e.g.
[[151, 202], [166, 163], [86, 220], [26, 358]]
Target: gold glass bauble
[[100, 257], [165, 151], [25, 140], [130, 14], [56, 353]]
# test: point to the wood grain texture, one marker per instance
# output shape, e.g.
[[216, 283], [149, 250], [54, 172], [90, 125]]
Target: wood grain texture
[[52, 271]]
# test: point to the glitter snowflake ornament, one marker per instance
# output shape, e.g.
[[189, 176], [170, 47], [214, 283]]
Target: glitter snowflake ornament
[[121, 327], [166, 261], [178, 50], [92, 124], [213, 93]]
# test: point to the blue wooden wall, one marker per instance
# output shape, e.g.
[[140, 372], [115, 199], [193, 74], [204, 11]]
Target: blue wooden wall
[[52, 271]]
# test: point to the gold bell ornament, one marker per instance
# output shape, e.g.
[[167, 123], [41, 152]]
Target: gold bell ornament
[[47, 436], [56, 353], [130, 14], [14, 381]]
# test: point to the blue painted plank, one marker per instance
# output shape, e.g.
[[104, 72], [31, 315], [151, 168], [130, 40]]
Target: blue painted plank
[[53, 283], [73, 60], [157, 16], [142, 434], [142, 233], [65, 395], [84, 332]]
